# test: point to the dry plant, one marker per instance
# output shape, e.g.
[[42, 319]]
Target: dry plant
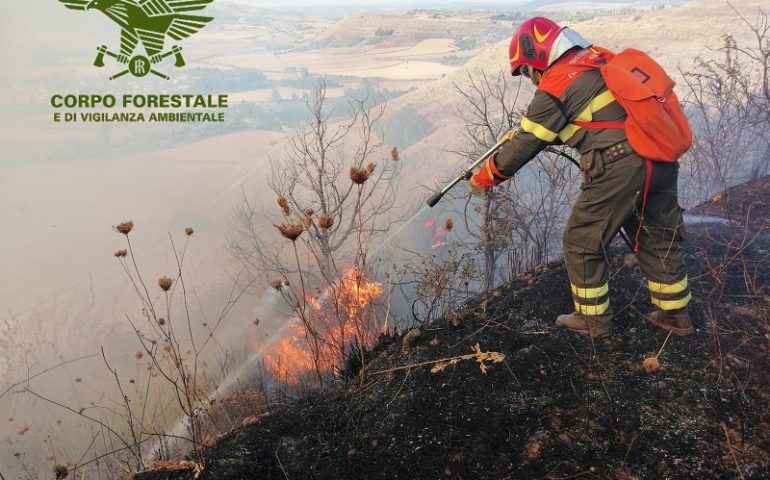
[[652, 364], [138, 416], [336, 184], [479, 356], [439, 283], [518, 225], [174, 344], [728, 104]]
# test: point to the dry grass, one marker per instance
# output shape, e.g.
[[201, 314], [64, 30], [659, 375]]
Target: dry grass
[[481, 357]]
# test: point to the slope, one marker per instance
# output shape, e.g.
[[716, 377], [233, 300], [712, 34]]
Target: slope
[[558, 406]]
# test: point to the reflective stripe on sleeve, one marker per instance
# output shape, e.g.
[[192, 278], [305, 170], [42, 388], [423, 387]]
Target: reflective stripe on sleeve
[[672, 304], [600, 101], [538, 130], [568, 131]]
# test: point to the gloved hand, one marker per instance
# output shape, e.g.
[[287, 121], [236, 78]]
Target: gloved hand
[[487, 177]]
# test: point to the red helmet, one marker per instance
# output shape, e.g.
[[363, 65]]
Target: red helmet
[[532, 44]]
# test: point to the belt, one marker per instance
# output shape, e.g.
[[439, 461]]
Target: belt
[[616, 152]]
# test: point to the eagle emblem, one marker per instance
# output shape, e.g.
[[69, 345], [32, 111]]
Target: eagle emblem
[[148, 22]]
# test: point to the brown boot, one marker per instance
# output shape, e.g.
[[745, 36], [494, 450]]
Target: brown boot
[[596, 326], [675, 321]]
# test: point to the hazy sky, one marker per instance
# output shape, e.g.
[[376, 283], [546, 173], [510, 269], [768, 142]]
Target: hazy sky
[[374, 3]]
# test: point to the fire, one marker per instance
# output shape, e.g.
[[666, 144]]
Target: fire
[[356, 293], [339, 318]]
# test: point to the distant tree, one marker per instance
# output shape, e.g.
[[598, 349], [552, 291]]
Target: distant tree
[[406, 127]]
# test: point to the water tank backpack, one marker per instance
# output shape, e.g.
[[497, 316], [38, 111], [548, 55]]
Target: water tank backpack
[[656, 126]]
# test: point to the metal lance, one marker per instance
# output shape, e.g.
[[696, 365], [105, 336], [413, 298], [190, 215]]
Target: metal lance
[[466, 174]]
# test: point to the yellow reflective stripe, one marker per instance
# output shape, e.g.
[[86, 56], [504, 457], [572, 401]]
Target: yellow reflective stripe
[[568, 131], [672, 304], [677, 287], [589, 293], [537, 130], [598, 102], [593, 309]]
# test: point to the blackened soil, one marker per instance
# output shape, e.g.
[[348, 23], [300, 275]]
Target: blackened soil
[[559, 406], [748, 202]]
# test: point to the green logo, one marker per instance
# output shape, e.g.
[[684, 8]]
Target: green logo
[[147, 22]]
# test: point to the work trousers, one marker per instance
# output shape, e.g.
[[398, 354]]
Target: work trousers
[[611, 199]]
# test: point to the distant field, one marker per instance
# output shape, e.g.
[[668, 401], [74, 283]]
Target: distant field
[[265, 94], [387, 63]]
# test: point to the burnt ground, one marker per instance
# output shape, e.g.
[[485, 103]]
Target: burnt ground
[[558, 406], [746, 203]]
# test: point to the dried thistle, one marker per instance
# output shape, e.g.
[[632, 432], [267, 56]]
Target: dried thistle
[[189, 231], [165, 283], [309, 212], [438, 365], [292, 231], [409, 339], [370, 168], [651, 364], [454, 318], [394, 154], [358, 175], [449, 225], [631, 261], [325, 221], [121, 253], [125, 227], [307, 221], [284, 204], [61, 472], [277, 284]]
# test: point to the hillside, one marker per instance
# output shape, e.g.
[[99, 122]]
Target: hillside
[[557, 406], [673, 35]]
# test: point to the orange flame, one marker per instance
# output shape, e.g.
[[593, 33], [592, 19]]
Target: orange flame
[[339, 317]]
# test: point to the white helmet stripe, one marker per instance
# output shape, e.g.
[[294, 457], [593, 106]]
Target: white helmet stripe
[[566, 40]]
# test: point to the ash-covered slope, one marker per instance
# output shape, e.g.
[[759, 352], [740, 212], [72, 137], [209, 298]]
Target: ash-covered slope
[[558, 406]]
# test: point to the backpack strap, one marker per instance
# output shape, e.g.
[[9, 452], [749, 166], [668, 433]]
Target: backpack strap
[[647, 183], [620, 125]]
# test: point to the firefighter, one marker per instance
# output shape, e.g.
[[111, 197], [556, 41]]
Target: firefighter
[[557, 60]]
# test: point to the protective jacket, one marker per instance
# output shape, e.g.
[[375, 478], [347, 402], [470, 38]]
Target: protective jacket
[[572, 90]]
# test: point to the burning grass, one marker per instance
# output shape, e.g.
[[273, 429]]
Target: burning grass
[[317, 342]]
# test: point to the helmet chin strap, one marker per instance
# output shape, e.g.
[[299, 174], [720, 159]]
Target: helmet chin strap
[[537, 75], [532, 73]]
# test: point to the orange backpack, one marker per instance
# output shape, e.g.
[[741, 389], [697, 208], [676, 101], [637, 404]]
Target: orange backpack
[[656, 126]]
